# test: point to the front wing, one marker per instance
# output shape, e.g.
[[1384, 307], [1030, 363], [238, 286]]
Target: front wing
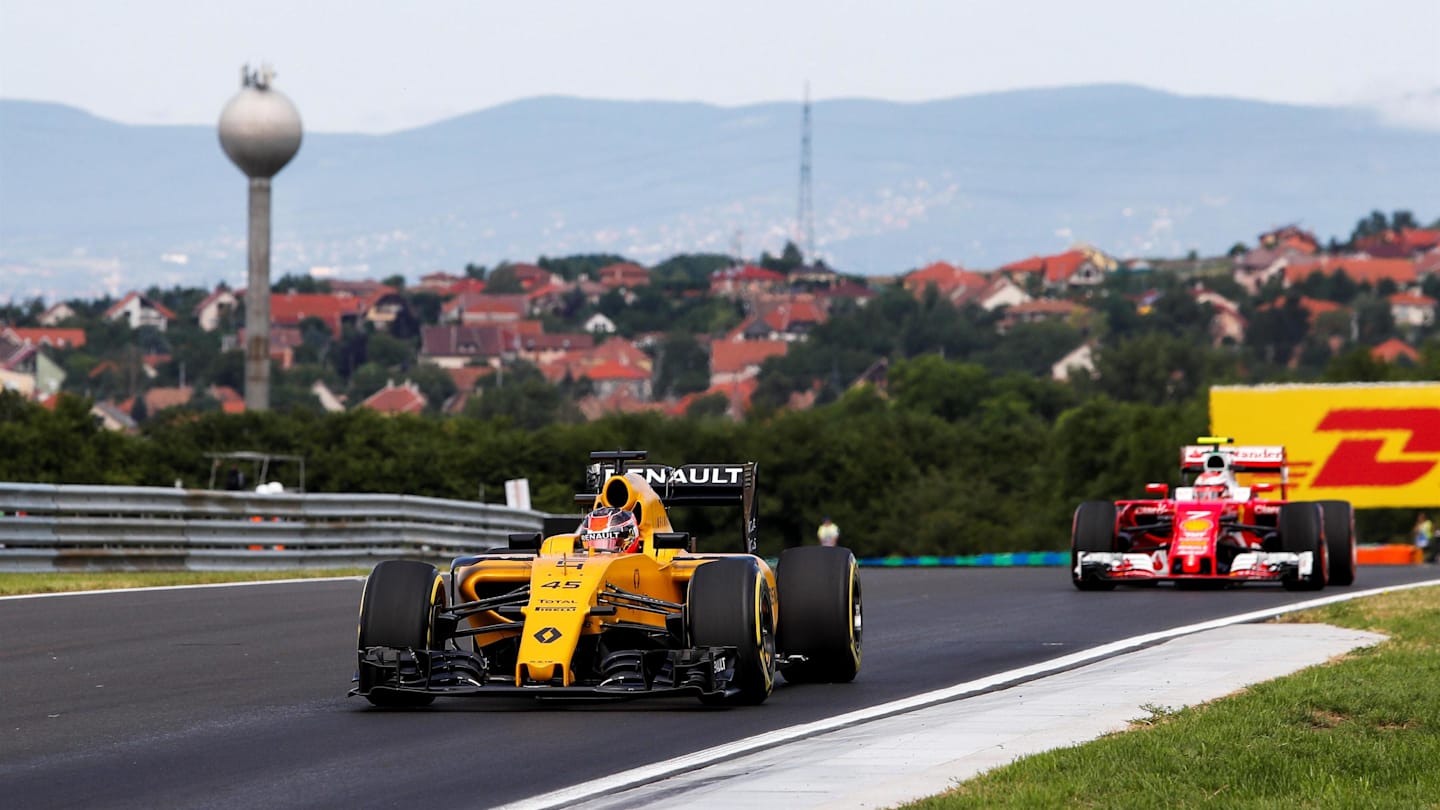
[[1159, 565], [638, 673]]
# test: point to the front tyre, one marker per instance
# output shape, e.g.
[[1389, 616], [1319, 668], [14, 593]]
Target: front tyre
[[1093, 529], [731, 604], [397, 610], [1338, 519], [1300, 531], [820, 613]]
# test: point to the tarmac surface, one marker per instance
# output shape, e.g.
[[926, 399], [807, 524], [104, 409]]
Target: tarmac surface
[[915, 754]]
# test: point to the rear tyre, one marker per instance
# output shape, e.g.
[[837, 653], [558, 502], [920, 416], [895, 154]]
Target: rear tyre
[[1300, 526], [820, 613], [1338, 519], [397, 609], [1093, 529], [731, 604]]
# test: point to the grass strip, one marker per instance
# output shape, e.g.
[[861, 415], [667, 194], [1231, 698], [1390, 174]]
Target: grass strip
[[1361, 731], [14, 584]]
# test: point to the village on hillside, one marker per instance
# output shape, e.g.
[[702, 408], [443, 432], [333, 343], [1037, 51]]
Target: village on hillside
[[586, 336]]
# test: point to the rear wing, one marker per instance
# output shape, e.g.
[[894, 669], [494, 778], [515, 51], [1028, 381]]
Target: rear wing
[[687, 485], [1242, 458]]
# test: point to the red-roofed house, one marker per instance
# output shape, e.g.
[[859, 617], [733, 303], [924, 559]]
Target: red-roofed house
[[1315, 306], [1408, 242], [547, 348], [733, 361], [1290, 237], [737, 398], [1080, 267], [788, 318], [1042, 309], [1412, 309], [1361, 270], [289, 309], [482, 308], [454, 346], [944, 277], [1394, 350], [438, 281], [158, 399], [393, 399], [229, 399], [140, 311], [744, 281], [468, 377], [59, 338], [531, 276], [999, 290], [624, 274], [611, 378]]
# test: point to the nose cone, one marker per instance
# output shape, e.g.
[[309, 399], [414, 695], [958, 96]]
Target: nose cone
[[260, 131]]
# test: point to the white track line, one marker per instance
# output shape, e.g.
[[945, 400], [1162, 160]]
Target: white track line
[[659, 770], [292, 581]]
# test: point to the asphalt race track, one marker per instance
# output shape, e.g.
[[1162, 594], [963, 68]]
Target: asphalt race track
[[236, 696]]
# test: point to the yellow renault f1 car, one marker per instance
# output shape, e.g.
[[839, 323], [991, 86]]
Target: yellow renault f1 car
[[619, 606]]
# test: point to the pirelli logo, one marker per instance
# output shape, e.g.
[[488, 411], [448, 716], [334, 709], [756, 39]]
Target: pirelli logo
[[1373, 445]]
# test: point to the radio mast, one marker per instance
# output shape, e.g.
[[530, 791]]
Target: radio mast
[[805, 209]]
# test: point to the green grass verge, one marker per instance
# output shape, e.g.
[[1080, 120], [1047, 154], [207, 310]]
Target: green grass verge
[[14, 584], [1363, 731]]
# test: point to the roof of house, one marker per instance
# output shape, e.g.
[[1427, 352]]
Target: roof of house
[[747, 272], [60, 338], [479, 340], [622, 274], [158, 399], [144, 301], [729, 357], [610, 370], [1411, 299], [1394, 349], [467, 377], [403, 398], [219, 293], [290, 308], [1359, 269], [1053, 269], [1047, 306]]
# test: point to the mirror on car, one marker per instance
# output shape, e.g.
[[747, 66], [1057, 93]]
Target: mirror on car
[[1162, 490], [524, 541], [680, 540]]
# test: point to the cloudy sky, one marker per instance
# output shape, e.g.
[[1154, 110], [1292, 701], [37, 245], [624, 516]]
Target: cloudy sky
[[372, 66]]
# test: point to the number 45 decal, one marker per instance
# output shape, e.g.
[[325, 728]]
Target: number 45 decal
[[567, 584]]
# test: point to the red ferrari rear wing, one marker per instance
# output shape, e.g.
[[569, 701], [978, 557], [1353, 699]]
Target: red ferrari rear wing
[[1243, 458]]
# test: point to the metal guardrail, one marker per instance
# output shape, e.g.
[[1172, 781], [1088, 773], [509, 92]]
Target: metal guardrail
[[47, 527]]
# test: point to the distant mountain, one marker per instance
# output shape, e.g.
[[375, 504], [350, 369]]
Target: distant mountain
[[89, 205]]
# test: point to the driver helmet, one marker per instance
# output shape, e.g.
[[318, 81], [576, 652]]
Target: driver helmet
[[1212, 486], [609, 530]]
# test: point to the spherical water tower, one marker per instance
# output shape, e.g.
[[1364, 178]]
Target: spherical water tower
[[260, 132]]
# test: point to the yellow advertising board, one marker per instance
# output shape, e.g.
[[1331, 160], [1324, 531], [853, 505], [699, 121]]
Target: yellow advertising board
[[1373, 444]]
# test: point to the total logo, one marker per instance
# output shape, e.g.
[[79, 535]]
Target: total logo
[[1355, 461]]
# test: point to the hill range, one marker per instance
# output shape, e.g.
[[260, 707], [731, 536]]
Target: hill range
[[89, 206]]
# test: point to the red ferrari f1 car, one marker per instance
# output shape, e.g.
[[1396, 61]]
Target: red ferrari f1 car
[[1214, 530]]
